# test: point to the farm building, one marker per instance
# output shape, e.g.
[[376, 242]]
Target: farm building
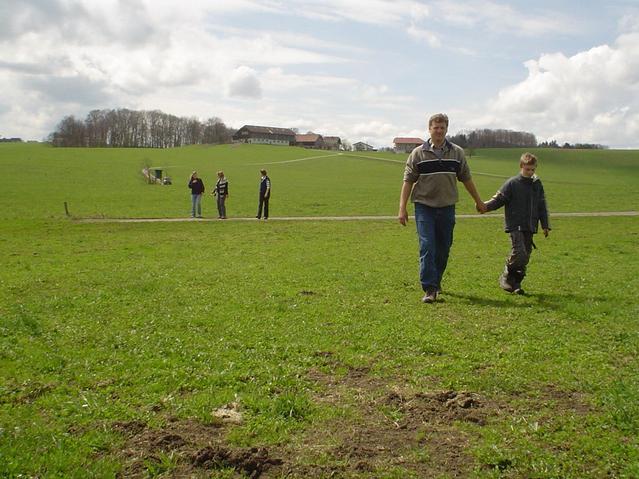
[[406, 145], [361, 146], [265, 134], [310, 140], [332, 143]]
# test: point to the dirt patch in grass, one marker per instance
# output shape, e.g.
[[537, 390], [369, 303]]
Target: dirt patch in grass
[[380, 428], [385, 428], [187, 448], [565, 402]]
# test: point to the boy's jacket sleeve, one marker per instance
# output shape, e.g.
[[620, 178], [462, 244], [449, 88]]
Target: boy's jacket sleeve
[[500, 198]]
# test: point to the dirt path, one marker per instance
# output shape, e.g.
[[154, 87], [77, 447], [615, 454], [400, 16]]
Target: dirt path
[[338, 218]]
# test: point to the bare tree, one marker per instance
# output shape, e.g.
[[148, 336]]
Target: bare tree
[[130, 128]]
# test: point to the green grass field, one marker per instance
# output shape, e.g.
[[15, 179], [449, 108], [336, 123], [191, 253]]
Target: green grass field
[[121, 345], [108, 182]]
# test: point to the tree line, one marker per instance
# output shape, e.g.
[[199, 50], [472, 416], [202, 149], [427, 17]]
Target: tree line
[[138, 129], [576, 146], [156, 129], [487, 138]]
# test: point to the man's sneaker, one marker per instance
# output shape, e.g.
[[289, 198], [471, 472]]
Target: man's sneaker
[[430, 296]]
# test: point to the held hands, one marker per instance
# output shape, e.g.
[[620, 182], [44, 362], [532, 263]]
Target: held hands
[[481, 207], [546, 231]]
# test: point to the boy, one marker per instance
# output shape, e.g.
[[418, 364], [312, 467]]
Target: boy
[[525, 203]]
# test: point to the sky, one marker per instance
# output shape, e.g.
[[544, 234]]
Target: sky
[[364, 70]]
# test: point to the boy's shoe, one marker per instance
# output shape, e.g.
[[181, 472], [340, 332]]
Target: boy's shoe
[[505, 285], [430, 296], [518, 291]]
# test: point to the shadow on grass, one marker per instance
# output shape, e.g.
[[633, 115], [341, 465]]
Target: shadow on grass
[[588, 302], [509, 300], [568, 302]]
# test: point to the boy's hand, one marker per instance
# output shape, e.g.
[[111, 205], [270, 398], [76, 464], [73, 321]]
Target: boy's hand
[[546, 231], [481, 207]]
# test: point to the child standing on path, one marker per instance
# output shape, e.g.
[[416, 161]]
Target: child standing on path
[[265, 195], [525, 203], [197, 189], [222, 192]]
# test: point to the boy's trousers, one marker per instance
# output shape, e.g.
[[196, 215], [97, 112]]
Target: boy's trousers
[[521, 249]]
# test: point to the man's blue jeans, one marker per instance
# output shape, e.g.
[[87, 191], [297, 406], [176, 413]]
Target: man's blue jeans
[[435, 231]]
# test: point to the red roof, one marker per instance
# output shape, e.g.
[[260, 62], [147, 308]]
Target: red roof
[[309, 138], [413, 141]]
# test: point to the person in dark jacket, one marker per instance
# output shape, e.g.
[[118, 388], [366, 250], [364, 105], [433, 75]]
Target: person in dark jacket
[[525, 201], [265, 195], [222, 192], [197, 189]]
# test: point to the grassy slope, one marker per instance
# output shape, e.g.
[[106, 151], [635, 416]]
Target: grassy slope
[[108, 182], [104, 323]]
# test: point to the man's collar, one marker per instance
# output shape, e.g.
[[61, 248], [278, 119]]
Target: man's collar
[[429, 145]]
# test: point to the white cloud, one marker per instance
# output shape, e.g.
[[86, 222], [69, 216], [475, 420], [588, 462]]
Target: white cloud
[[501, 17], [277, 80], [592, 96], [425, 35], [378, 12], [359, 77], [374, 128], [244, 83], [629, 22]]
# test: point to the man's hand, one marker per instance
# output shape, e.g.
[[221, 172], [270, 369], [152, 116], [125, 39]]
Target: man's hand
[[402, 216], [481, 207]]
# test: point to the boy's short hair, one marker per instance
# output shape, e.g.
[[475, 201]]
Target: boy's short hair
[[527, 159], [438, 118], [263, 172]]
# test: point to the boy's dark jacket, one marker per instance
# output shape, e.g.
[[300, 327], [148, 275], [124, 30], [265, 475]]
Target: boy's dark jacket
[[525, 204]]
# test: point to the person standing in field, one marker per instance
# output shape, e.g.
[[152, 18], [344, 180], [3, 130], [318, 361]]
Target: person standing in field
[[526, 207], [430, 180], [222, 192], [196, 186], [265, 195]]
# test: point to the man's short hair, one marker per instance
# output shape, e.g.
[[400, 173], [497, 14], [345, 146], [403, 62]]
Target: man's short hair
[[438, 118], [527, 159]]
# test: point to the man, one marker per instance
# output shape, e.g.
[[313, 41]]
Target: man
[[265, 195], [430, 179]]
